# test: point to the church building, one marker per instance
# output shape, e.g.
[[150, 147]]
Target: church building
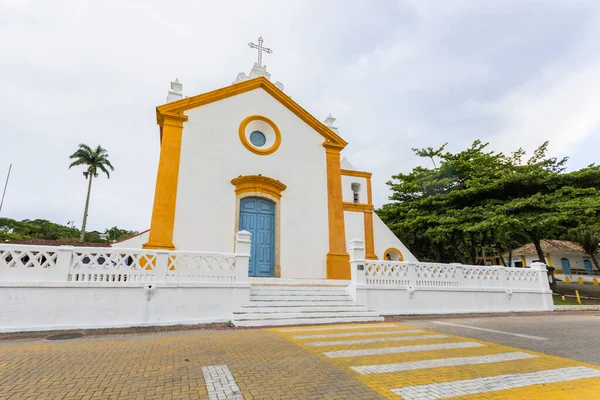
[[248, 157]]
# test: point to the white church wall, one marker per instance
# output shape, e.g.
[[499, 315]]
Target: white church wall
[[385, 239], [135, 242], [119, 287], [31, 307], [403, 288], [348, 194], [212, 155], [354, 223]]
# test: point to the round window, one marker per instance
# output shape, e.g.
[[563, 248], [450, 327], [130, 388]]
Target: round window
[[258, 138]]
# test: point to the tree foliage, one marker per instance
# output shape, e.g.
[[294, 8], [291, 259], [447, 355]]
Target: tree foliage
[[479, 199], [589, 239], [11, 229]]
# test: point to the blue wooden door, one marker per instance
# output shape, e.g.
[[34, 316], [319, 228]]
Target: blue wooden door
[[588, 267], [257, 216], [566, 266]]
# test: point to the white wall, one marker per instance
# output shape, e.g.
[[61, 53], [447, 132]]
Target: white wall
[[399, 301], [354, 223], [212, 155], [348, 194], [45, 307], [135, 242], [385, 238]]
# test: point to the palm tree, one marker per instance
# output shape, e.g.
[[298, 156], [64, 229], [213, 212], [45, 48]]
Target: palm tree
[[589, 239], [94, 161]]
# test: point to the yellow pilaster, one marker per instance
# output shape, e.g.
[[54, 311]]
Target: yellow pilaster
[[165, 194], [338, 260], [369, 240], [523, 261]]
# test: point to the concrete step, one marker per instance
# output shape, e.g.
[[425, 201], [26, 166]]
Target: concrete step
[[270, 310], [293, 315], [303, 297], [299, 303], [296, 293], [306, 321], [280, 288]]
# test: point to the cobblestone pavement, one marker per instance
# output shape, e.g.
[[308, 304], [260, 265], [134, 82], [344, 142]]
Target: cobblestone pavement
[[357, 361]]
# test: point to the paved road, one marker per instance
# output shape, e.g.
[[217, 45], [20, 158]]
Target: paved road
[[571, 335], [416, 359]]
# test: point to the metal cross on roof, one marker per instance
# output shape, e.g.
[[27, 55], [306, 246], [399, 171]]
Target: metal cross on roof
[[260, 48]]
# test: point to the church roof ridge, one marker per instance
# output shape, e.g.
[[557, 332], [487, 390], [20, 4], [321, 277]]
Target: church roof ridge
[[177, 108]]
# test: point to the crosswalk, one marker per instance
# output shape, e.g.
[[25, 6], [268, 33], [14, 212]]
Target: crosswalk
[[401, 362]]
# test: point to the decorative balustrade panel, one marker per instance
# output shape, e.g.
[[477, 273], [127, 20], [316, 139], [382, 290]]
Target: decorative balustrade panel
[[435, 275], [201, 267], [397, 273], [112, 266], [26, 257], [483, 276], [27, 263], [521, 277], [386, 273]]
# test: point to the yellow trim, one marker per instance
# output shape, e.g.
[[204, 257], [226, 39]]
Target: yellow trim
[[523, 261], [359, 174], [567, 280], [549, 259], [165, 194], [258, 184], [357, 207], [238, 88], [338, 260], [369, 237], [396, 250], [250, 146]]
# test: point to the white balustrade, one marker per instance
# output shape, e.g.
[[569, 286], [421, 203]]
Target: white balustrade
[[115, 266], [433, 275]]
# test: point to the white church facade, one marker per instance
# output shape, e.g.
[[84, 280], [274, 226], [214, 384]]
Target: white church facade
[[248, 157], [258, 221]]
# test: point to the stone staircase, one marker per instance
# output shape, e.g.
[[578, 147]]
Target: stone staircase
[[276, 305]]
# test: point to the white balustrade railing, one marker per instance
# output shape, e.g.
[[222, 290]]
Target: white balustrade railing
[[433, 275], [115, 266]]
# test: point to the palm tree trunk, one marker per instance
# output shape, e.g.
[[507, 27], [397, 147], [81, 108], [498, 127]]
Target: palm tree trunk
[[595, 261], [85, 212], [538, 248]]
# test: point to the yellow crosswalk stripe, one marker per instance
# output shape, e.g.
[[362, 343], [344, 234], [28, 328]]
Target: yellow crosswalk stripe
[[355, 352]]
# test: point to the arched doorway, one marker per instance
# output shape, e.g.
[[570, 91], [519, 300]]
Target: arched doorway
[[257, 216], [566, 266]]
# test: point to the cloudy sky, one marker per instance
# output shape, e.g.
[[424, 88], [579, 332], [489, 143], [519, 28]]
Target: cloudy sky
[[396, 74]]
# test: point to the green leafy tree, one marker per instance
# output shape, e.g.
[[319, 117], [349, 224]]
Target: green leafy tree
[[478, 200], [94, 161], [117, 234], [589, 239]]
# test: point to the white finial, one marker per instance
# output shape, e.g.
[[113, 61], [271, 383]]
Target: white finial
[[329, 123], [176, 91]]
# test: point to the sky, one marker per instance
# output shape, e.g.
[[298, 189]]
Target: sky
[[396, 75]]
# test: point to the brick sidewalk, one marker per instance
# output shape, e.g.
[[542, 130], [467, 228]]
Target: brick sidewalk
[[368, 361], [169, 366]]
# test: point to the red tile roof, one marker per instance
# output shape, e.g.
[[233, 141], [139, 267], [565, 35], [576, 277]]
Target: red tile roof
[[46, 242], [549, 246]]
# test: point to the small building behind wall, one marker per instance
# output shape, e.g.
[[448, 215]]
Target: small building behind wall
[[568, 259]]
